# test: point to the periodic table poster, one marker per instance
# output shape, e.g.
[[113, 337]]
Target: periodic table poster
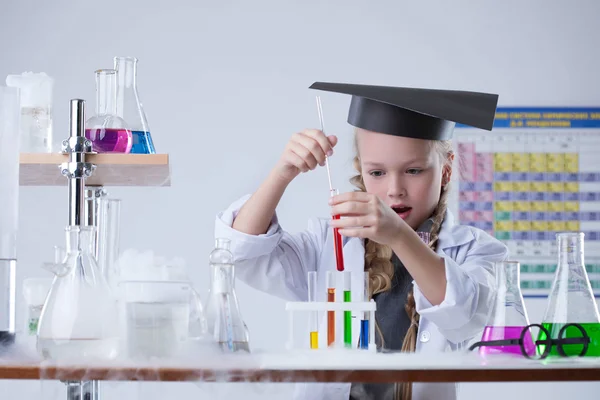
[[537, 173]]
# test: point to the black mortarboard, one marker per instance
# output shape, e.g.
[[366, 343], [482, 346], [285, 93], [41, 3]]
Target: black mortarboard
[[416, 113]]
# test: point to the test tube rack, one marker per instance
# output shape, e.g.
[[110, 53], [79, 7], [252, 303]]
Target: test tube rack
[[357, 308]]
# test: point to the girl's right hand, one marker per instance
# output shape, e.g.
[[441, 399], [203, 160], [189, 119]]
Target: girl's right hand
[[304, 152]]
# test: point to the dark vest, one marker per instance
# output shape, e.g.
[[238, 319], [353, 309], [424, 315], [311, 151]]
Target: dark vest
[[393, 322]]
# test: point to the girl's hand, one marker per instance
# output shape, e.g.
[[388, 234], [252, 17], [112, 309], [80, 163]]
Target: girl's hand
[[366, 216], [303, 153]]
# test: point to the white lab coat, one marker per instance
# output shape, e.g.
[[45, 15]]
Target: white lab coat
[[278, 262]]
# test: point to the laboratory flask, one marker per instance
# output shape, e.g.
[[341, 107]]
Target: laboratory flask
[[224, 319], [108, 132], [571, 319], [129, 106], [508, 318], [79, 318]]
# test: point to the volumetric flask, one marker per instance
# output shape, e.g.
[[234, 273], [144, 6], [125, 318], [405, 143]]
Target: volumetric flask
[[508, 317], [157, 317], [79, 318], [108, 132], [571, 300], [129, 106], [225, 323]]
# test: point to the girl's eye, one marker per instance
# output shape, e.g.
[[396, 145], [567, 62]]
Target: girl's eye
[[376, 173], [414, 171]]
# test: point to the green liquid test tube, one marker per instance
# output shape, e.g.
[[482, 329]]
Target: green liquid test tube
[[347, 314]]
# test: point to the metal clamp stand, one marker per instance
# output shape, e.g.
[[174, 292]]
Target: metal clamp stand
[[76, 170]]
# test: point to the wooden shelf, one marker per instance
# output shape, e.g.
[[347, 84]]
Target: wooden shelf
[[42, 169]]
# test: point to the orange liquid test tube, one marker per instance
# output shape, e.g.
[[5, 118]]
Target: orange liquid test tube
[[330, 314]]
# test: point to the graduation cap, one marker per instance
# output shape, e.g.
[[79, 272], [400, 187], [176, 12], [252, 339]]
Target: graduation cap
[[412, 112]]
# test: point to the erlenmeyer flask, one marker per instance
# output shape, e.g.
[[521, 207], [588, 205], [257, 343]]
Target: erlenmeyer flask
[[508, 317], [129, 106], [224, 319], [79, 318], [108, 132], [571, 299]]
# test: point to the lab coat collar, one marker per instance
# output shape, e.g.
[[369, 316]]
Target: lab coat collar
[[449, 237]]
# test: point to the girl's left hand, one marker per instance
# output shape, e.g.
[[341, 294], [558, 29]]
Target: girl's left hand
[[366, 216]]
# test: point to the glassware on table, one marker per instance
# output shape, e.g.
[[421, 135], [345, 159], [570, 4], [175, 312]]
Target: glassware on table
[[79, 318]]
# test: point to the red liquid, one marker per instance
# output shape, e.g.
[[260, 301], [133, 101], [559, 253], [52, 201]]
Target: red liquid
[[337, 240], [503, 333]]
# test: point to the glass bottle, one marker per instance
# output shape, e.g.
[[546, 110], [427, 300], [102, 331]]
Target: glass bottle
[[571, 299], [508, 317], [79, 318], [224, 318], [108, 132], [10, 117], [129, 106]]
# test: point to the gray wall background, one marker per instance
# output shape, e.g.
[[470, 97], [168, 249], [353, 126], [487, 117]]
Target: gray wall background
[[224, 84]]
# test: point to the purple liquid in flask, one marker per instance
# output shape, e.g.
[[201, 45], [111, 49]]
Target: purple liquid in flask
[[506, 333], [110, 140]]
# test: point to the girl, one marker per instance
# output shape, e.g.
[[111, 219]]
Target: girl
[[430, 297]]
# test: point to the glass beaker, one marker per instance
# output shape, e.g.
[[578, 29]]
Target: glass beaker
[[129, 106], [10, 117], [157, 317], [35, 291], [508, 317], [79, 318], [224, 319], [36, 110], [571, 299], [108, 132]]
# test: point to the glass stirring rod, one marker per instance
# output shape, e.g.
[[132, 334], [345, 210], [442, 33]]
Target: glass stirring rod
[[337, 237]]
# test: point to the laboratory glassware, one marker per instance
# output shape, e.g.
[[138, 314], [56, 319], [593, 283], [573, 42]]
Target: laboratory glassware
[[224, 319], [10, 117], [108, 132], [571, 300], [79, 318], [129, 106]]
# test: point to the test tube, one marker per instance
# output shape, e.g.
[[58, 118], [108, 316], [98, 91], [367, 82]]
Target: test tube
[[337, 240], [330, 314], [313, 318], [347, 314], [364, 323]]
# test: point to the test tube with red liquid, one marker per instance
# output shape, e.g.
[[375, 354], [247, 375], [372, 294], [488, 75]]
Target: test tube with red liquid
[[337, 240]]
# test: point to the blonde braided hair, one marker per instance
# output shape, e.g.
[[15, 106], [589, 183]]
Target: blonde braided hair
[[381, 270]]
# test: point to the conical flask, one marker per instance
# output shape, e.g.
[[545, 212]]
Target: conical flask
[[224, 319], [129, 106], [571, 300], [508, 316], [79, 318], [108, 132]]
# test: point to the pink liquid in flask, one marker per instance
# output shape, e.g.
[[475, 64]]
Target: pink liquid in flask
[[110, 140], [506, 333]]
